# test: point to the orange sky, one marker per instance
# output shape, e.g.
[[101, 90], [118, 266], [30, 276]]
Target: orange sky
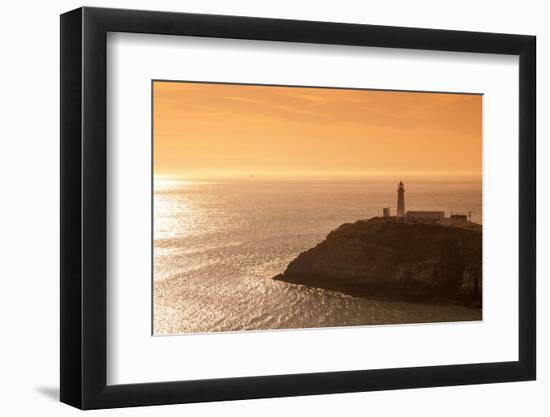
[[224, 130]]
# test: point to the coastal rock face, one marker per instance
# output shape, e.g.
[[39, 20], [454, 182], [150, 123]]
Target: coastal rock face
[[395, 259]]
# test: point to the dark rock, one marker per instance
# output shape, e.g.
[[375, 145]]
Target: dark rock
[[395, 259]]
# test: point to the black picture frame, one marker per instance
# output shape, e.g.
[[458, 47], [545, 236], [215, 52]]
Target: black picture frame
[[84, 207]]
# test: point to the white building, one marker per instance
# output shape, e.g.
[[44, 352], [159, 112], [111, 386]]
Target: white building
[[425, 215]]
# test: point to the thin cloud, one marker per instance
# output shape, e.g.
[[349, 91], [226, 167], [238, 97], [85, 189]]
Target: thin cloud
[[245, 100]]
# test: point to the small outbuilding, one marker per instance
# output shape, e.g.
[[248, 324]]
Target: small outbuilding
[[459, 218]]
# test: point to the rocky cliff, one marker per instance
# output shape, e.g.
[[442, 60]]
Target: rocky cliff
[[393, 259]]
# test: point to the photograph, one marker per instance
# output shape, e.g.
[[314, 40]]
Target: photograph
[[298, 207], [270, 204]]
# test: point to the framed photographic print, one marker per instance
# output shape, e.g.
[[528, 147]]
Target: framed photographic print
[[257, 207]]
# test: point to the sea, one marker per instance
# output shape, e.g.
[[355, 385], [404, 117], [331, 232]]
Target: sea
[[219, 243]]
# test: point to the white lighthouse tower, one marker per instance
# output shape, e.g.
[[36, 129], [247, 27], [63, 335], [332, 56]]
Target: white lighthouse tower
[[400, 200]]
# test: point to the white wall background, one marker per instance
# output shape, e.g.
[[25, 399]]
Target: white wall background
[[29, 225]]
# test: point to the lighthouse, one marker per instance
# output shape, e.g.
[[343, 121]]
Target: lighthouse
[[400, 200]]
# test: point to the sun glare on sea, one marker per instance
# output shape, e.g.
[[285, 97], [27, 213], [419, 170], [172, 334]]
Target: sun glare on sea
[[163, 184], [174, 210]]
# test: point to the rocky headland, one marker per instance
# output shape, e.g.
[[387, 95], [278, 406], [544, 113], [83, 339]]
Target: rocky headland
[[396, 259]]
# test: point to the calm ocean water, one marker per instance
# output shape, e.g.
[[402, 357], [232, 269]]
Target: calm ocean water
[[218, 244]]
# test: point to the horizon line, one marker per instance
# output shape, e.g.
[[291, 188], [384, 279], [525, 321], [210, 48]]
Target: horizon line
[[388, 176]]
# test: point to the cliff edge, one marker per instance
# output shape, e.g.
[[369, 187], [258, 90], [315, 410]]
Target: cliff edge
[[398, 260]]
